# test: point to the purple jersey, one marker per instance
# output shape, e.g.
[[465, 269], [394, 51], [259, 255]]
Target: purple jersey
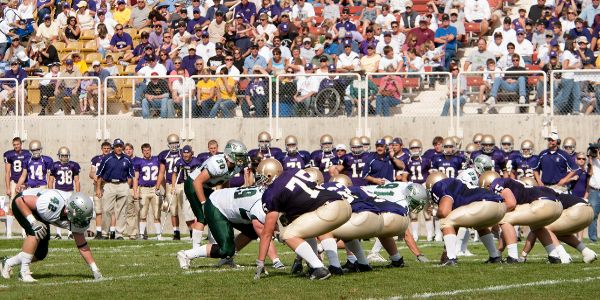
[[322, 160], [460, 193], [169, 159], [404, 157], [294, 193], [418, 169], [449, 165], [186, 167], [360, 201], [64, 175], [579, 186], [523, 193], [16, 162], [353, 166], [271, 152], [96, 161], [568, 200], [430, 153], [524, 166], [202, 157], [497, 157], [148, 170], [237, 180], [37, 169], [298, 160]]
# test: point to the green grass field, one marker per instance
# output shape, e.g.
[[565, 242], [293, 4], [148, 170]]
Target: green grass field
[[149, 270]]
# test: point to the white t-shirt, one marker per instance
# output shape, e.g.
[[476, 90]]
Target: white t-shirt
[[497, 50], [385, 21], [239, 205], [508, 36], [206, 51], [148, 70], [524, 48], [395, 46], [568, 55], [345, 60], [385, 62], [61, 19], [265, 52], [308, 84], [269, 30], [304, 12]]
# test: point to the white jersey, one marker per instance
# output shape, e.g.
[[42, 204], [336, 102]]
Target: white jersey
[[50, 204], [239, 205], [391, 191], [216, 166], [469, 177]]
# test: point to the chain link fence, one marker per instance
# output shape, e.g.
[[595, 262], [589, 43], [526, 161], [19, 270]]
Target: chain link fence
[[58, 95], [574, 92]]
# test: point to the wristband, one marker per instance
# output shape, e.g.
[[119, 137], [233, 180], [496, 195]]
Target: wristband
[[31, 219], [94, 267]]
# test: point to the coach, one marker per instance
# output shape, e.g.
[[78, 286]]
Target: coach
[[594, 190], [555, 165], [115, 174], [380, 166]]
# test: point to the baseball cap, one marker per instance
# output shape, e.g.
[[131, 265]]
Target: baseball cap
[[553, 54], [553, 136], [180, 24], [306, 39], [66, 5], [387, 33], [507, 20], [540, 22], [380, 142], [121, 2], [308, 66], [581, 39], [218, 46], [345, 10], [196, 10], [454, 11], [14, 61], [332, 68], [424, 19], [186, 149], [339, 147], [95, 63], [239, 16], [408, 3], [68, 62], [498, 34], [204, 33], [397, 140], [520, 30], [150, 57], [549, 33], [118, 142], [445, 17], [81, 4], [553, 42], [46, 17]]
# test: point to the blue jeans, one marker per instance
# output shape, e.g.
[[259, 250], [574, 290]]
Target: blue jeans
[[449, 55], [597, 91], [226, 106], [383, 104], [594, 198], [140, 90], [446, 109], [167, 109], [568, 99], [203, 109], [520, 86], [260, 107], [540, 90]]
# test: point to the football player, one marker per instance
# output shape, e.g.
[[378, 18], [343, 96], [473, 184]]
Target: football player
[[105, 149], [402, 154], [213, 148], [187, 164], [64, 176], [468, 206], [292, 157], [522, 165], [145, 188], [448, 163], [436, 150], [535, 208], [13, 166], [173, 197], [322, 159], [488, 148], [418, 170], [477, 140], [264, 146], [35, 210], [507, 142], [366, 142], [308, 211], [469, 149], [227, 209], [133, 204], [352, 163], [569, 145], [36, 169]]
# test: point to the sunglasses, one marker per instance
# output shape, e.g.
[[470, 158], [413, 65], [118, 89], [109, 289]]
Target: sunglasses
[[199, 64], [511, 48], [516, 61], [581, 158], [118, 29], [167, 37], [228, 59], [454, 69], [177, 62]]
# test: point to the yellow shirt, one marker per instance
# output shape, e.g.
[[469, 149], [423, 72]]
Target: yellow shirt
[[223, 94], [370, 64], [205, 88], [122, 17], [81, 66]]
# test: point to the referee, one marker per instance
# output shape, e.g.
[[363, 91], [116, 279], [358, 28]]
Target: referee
[[115, 174]]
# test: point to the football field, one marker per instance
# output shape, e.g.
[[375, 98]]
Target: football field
[[149, 270]]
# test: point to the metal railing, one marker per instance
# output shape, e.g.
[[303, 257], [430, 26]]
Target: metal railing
[[6, 97], [576, 92]]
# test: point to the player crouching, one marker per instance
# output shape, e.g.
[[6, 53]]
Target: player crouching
[[36, 210]]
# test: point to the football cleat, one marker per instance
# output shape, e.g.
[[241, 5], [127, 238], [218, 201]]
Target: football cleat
[[450, 263], [335, 270], [184, 261], [176, 236], [511, 260], [98, 236], [375, 257], [297, 265], [58, 237], [464, 253], [112, 235], [279, 265], [226, 262], [588, 255], [6, 270], [349, 267], [319, 274], [397, 263], [363, 268], [26, 277], [494, 260], [553, 260]]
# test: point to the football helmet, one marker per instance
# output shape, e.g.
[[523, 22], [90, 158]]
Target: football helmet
[[173, 142], [468, 177], [35, 147], [326, 143], [415, 147], [315, 175], [356, 146], [416, 196], [267, 171], [528, 181], [366, 141], [236, 153], [388, 139], [264, 140], [470, 148], [457, 142], [342, 179], [291, 144], [527, 148], [477, 138], [80, 209], [486, 178], [487, 143], [483, 163], [64, 154], [569, 145], [449, 146], [433, 178], [507, 142]]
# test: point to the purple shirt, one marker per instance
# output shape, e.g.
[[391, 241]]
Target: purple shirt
[[19, 76], [298, 160], [353, 167], [379, 167], [16, 162], [186, 167], [323, 161], [96, 160], [523, 194], [271, 152], [418, 169], [579, 186], [430, 153], [202, 157], [121, 41], [257, 88], [247, 11], [348, 25], [64, 175], [148, 169], [555, 165], [497, 157], [460, 193], [169, 159], [237, 180], [37, 170], [524, 166], [448, 165]]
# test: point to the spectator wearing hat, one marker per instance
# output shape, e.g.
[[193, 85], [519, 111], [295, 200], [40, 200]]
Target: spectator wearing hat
[[79, 64], [506, 61], [195, 4], [540, 35], [48, 86], [216, 28], [387, 41], [536, 10], [138, 17], [458, 21], [589, 13], [197, 19], [498, 46], [92, 89], [552, 64], [256, 96], [478, 12], [585, 54], [345, 21], [205, 47], [379, 167], [508, 33], [348, 61], [122, 13], [389, 93], [422, 33], [409, 19], [368, 41], [14, 50], [331, 11], [61, 19], [370, 62], [157, 95], [254, 60], [141, 49], [121, 41], [286, 29], [216, 60], [110, 23], [85, 16], [523, 46], [568, 99], [69, 89], [307, 51], [247, 10], [521, 20], [580, 30], [147, 52], [44, 7], [8, 88], [189, 61], [47, 29], [445, 36], [217, 7], [306, 87], [181, 37], [544, 52]]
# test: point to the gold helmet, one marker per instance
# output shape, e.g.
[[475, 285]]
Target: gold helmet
[[173, 142], [326, 143], [477, 138], [449, 147], [388, 139], [291, 144], [64, 154], [470, 148], [569, 145], [433, 178], [487, 143], [507, 142], [457, 142], [415, 147], [267, 171], [35, 147], [528, 181], [315, 175], [264, 140], [486, 178], [356, 146], [527, 148], [341, 178], [366, 141]]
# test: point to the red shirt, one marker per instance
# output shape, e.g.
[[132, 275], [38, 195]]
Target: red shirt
[[422, 35]]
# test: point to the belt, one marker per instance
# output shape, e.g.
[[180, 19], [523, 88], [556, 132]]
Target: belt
[[116, 181], [147, 186]]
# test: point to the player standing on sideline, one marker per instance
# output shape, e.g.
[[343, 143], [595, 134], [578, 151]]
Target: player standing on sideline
[[292, 157], [213, 149], [322, 159], [145, 187], [264, 146], [401, 154], [13, 166], [185, 166], [100, 234], [437, 148], [36, 169], [64, 176], [418, 169], [352, 163], [133, 203], [522, 165], [173, 197], [488, 147], [35, 210]]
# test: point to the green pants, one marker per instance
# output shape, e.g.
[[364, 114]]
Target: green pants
[[195, 205], [222, 231], [42, 248]]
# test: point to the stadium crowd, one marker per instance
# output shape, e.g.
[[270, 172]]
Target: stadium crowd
[[98, 38]]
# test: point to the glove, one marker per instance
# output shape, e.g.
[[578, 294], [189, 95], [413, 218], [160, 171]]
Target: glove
[[40, 229], [422, 259], [260, 269], [97, 275]]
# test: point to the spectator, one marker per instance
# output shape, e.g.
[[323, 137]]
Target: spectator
[[331, 10], [555, 167], [409, 19], [195, 4], [585, 54], [387, 41], [370, 62], [457, 102], [217, 7], [112, 69], [589, 13], [181, 88], [508, 33], [568, 20], [47, 30], [593, 191], [568, 99], [506, 61], [85, 17], [8, 88], [180, 14], [156, 36], [165, 60], [277, 63], [389, 94], [432, 15], [111, 88], [265, 29], [536, 10], [44, 7], [497, 47], [197, 20], [122, 13], [558, 33], [539, 36], [181, 37], [66, 12], [446, 36], [191, 61], [205, 47], [544, 52], [247, 10], [256, 96], [389, 59], [509, 83], [68, 88], [580, 30], [302, 13], [243, 42], [369, 14], [48, 86], [226, 96], [552, 64], [205, 96], [478, 12], [523, 47], [349, 61], [72, 31], [285, 29], [217, 60], [138, 17], [46, 54], [121, 41], [415, 62], [520, 22], [458, 23], [422, 33], [156, 95], [254, 60], [238, 60], [385, 19], [369, 40], [15, 50], [103, 40], [488, 80], [306, 86], [232, 69], [345, 21], [433, 57]]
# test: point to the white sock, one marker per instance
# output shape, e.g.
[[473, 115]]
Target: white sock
[[312, 242], [414, 229], [377, 246], [25, 262], [562, 253], [196, 238], [580, 247], [512, 251], [354, 246], [305, 251], [429, 229], [450, 243], [488, 242], [157, 229], [330, 248], [438, 230], [175, 229], [551, 250], [196, 252], [13, 261], [9, 222], [112, 229], [395, 257], [58, 231], [98, 228], [142, 227], [351, 258], [460, 235]]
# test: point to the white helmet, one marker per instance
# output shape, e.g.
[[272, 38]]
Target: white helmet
[[173, 142], [483, 163], [236, 153], [80, 209], [416, 196], [64, 154], [469, 177], [35, 147]]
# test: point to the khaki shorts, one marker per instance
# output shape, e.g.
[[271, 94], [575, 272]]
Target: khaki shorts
[[361, 225], [536, 214], [149, 201], [477, 215], [13, 193], [186, 209], [324, 219], [572, 220], [393, 225]]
